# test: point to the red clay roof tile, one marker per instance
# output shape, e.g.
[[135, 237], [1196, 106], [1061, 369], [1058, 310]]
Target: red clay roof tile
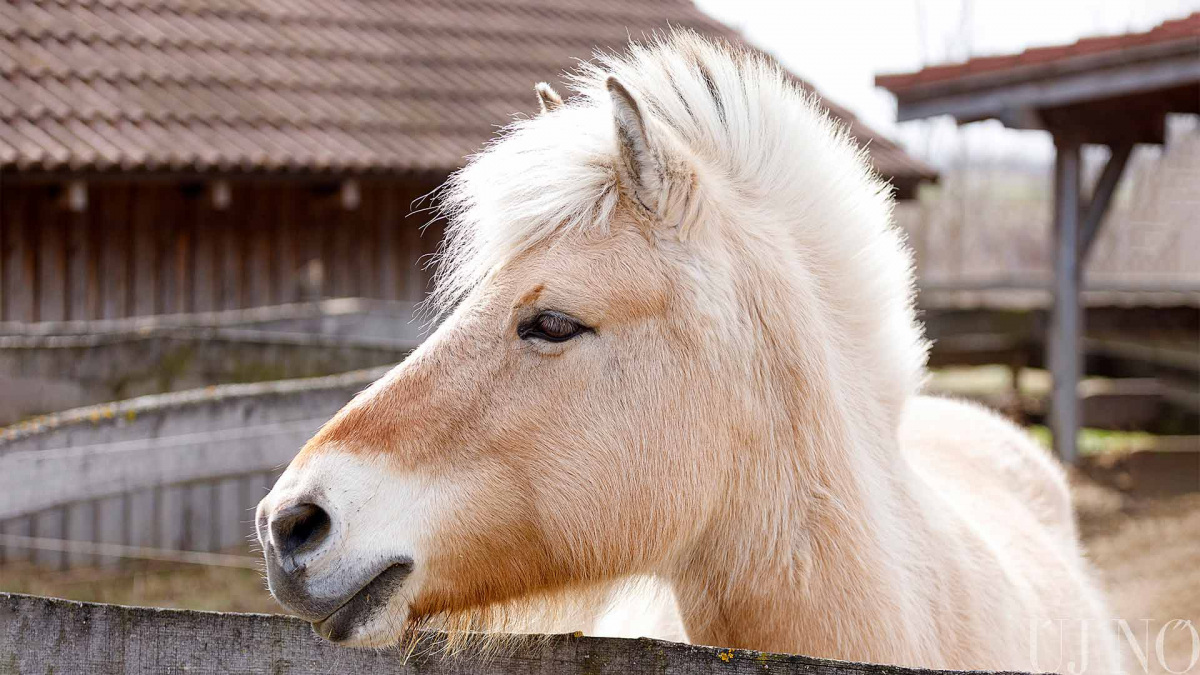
[[1168, 31], [302, 85]]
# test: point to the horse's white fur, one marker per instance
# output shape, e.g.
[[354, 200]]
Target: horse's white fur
[[744, 423]]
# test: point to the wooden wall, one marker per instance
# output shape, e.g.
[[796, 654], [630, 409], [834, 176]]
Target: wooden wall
[[158, 246]]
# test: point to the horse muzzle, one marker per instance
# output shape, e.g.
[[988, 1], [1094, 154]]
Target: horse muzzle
[[303, 575]]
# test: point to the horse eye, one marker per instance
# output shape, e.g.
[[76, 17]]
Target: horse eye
[[551, 327]]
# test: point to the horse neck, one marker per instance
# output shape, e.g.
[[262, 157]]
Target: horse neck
[[802, 556]]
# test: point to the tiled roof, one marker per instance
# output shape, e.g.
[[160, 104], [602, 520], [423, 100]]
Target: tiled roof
[[301, 85], [1185, 30]]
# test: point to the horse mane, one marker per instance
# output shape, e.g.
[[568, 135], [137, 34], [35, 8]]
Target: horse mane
[[758, 140]]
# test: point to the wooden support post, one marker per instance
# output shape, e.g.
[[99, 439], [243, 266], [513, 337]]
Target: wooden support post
[[1102, 195], [1066, 321]]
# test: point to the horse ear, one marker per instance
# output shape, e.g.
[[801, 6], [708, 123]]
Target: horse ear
[[547, 97], [638, 166]]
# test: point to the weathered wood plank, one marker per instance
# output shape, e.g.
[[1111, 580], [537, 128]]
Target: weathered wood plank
[[230, 271], [80, 267], [144, 249], [81, 526], [141, 525], [4, 236], [43, 635], [20, 261], [198, 518], [52, 262], [19, 527], [50, 525], [343, 232], [184, 255], [389, 240], [112, 518], [116, 263], [259, 256], [229, 514], [288, 258], [367, 246], [170, 510], [168, 229], [33, 481], [206, 272]]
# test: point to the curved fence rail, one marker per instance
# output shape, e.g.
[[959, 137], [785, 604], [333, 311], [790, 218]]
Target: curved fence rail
[[45, 635], [165, 477]]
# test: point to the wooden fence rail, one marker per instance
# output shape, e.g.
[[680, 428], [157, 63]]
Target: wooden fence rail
[[160, 477], [46, 635]]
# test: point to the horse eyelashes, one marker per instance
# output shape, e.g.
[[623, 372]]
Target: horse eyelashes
[[551, 327]]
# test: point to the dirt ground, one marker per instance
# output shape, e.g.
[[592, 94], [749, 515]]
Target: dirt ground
[[1147, 551]]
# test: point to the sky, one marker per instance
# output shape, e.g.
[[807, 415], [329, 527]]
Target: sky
[[839, 46]]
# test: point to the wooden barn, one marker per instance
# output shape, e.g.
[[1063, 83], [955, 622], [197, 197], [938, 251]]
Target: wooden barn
[[161, 157]]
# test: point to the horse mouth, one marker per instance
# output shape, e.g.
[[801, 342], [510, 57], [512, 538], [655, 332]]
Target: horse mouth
[[363, 605]]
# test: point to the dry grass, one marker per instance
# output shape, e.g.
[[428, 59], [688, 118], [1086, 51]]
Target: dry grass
[[221, 589]]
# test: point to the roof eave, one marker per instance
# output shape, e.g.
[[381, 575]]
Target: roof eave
[[1013, 96]]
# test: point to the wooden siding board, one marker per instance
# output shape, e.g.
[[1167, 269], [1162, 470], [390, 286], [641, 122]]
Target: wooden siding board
[[171, 508], [21, 527], [258, 249], [368, 258], [143, 514], [166, 229], [145, 251], [80, 526], [230, 273], [198, 518], [112, 514], [114, 227], [79, 261], [144, 248], [52, 254], [230, 513], [19, 264], [286, 252], [386, 224], [50, 524], [205, 289]]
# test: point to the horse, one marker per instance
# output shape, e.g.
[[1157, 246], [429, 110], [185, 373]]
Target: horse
[[677, 343]]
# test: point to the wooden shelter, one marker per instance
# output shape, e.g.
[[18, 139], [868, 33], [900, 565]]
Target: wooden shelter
[[161, 157], [1114, 91]]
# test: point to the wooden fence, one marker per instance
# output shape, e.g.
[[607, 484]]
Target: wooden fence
[[45, 374], [45, 635], [147, 477]]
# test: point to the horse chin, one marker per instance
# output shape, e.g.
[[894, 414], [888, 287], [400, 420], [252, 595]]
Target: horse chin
[[381, 630], [375, 616]]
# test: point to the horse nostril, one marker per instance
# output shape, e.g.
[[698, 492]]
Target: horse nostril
[[299, 527]]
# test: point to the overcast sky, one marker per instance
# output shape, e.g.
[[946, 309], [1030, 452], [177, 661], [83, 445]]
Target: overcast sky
[[839, 46]]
